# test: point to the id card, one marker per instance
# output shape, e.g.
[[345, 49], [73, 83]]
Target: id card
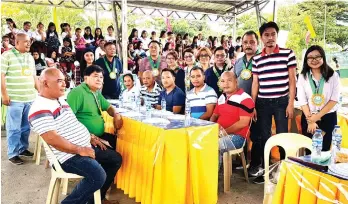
[[26, 71]]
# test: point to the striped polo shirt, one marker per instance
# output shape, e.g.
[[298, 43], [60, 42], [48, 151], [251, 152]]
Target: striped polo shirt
[[55, 115], [19, 69], [152, 95], [231, 109], [273, 72], [199, 101]]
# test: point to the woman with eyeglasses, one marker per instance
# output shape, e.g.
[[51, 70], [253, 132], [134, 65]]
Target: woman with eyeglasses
[[318, 91], [204, 56], [172, 62]]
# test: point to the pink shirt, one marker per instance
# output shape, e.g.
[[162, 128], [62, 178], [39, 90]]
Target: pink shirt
[[331, 92]]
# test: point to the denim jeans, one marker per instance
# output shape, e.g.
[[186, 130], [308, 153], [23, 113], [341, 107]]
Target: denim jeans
[[228, 143], [94, 178], [17, 128], [267, 108], [106, 164]]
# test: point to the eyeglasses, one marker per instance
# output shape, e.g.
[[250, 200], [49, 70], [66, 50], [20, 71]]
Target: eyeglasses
[[189, 56], [170, 58], [317, 58]]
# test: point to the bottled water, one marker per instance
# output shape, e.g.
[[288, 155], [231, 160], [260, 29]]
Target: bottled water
[[336, 142], [163, 104], [148, 108], [133, 102], [121, 101], [187, 113], [317, 145], [138, 103]]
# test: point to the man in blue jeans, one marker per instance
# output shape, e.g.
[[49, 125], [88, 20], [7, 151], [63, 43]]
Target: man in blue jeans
[[273, 90], [70, 141], [18, 83]]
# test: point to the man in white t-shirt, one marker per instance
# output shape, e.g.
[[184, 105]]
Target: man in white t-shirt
[[52, 118]]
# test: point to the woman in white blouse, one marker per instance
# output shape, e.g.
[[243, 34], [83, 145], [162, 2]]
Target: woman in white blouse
[[318, 91], [131, 88]]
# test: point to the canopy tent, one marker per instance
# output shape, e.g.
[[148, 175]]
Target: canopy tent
[[213, 10]]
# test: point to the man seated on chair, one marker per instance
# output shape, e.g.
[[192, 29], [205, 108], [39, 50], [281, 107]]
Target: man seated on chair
[[233, 113], [87, 103], [52, 118]]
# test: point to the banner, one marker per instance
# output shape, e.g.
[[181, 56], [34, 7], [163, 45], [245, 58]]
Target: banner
[[309, 25]]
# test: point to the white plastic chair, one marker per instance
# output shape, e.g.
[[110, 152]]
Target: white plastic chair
[[291, 142], [57, 173], [227, 160]]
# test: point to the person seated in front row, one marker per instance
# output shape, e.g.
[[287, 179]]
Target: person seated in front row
[[202, 98], [233, 112], [151, 90], [131, 89], [52, 118], [88, 103], [173, 95]]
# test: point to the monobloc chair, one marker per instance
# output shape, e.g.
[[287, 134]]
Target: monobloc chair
[[57, 173], [291, 142]]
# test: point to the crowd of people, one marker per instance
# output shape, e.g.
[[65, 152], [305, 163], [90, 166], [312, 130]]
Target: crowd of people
[[239, 85]]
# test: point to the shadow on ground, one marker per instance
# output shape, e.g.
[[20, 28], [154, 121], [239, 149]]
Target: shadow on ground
[[28, 184]]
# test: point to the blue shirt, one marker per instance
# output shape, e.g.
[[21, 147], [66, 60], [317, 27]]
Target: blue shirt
[[199, 101], [175, 98], [111, 87]]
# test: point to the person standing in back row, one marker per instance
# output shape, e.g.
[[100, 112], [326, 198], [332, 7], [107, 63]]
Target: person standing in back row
[[273, 90]]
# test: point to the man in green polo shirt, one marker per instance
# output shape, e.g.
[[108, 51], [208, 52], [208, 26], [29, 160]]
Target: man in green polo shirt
[[87, 102], [18, 83]]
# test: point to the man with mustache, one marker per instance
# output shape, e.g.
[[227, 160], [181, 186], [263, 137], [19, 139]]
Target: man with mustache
[[18, 83], [273, 90]]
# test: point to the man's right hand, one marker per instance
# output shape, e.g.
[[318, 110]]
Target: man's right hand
[[254, 115], [86, 152], [6, 100]]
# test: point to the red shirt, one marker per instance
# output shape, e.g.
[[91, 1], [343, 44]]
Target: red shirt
[[4, 49], [230, 110]]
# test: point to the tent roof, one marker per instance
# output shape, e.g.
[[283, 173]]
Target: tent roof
[[225, 9]]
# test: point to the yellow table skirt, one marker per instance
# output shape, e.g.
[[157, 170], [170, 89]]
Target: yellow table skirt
[[342, 121], [316, 187], [177, 166]]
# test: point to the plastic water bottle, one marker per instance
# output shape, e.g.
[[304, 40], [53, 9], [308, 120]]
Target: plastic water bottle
[[336, 142], [187, 82], [317, 144], [187, 113], [148, 108], [163, 104], [138, 103], [121, 101], [133, 102]]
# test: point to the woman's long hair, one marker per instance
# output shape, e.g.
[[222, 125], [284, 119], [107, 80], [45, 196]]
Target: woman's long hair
[[100, 36], [83, 64], [90, 36], [325, 69], [49, 31], [131, 36]]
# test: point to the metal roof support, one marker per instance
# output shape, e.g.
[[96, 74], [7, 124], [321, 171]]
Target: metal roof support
[[274, 11], [124, 34], [258, 14], [117, 30], [96, 14], [235, 26]]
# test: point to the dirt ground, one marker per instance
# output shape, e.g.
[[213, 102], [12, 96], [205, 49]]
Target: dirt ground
[[28, 184]]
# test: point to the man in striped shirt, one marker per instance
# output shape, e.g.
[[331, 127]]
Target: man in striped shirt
[[273, 89], [18, 83], [53, 119], [150, 90], [202, 98]]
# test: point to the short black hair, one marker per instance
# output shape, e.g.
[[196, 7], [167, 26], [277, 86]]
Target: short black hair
[[169, 32], [129, 75], [108, 44], [238, 38], [93, 68], [251, 32], [168, 70], [77, 29], [219, 48], [270, 24], [26, 22], [5, 36], [197, 68], [154, 41], [110, 27], [153, 32]]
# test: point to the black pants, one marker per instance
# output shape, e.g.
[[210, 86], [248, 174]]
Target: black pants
[[110, 138], [267, 108], [326, 124]]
